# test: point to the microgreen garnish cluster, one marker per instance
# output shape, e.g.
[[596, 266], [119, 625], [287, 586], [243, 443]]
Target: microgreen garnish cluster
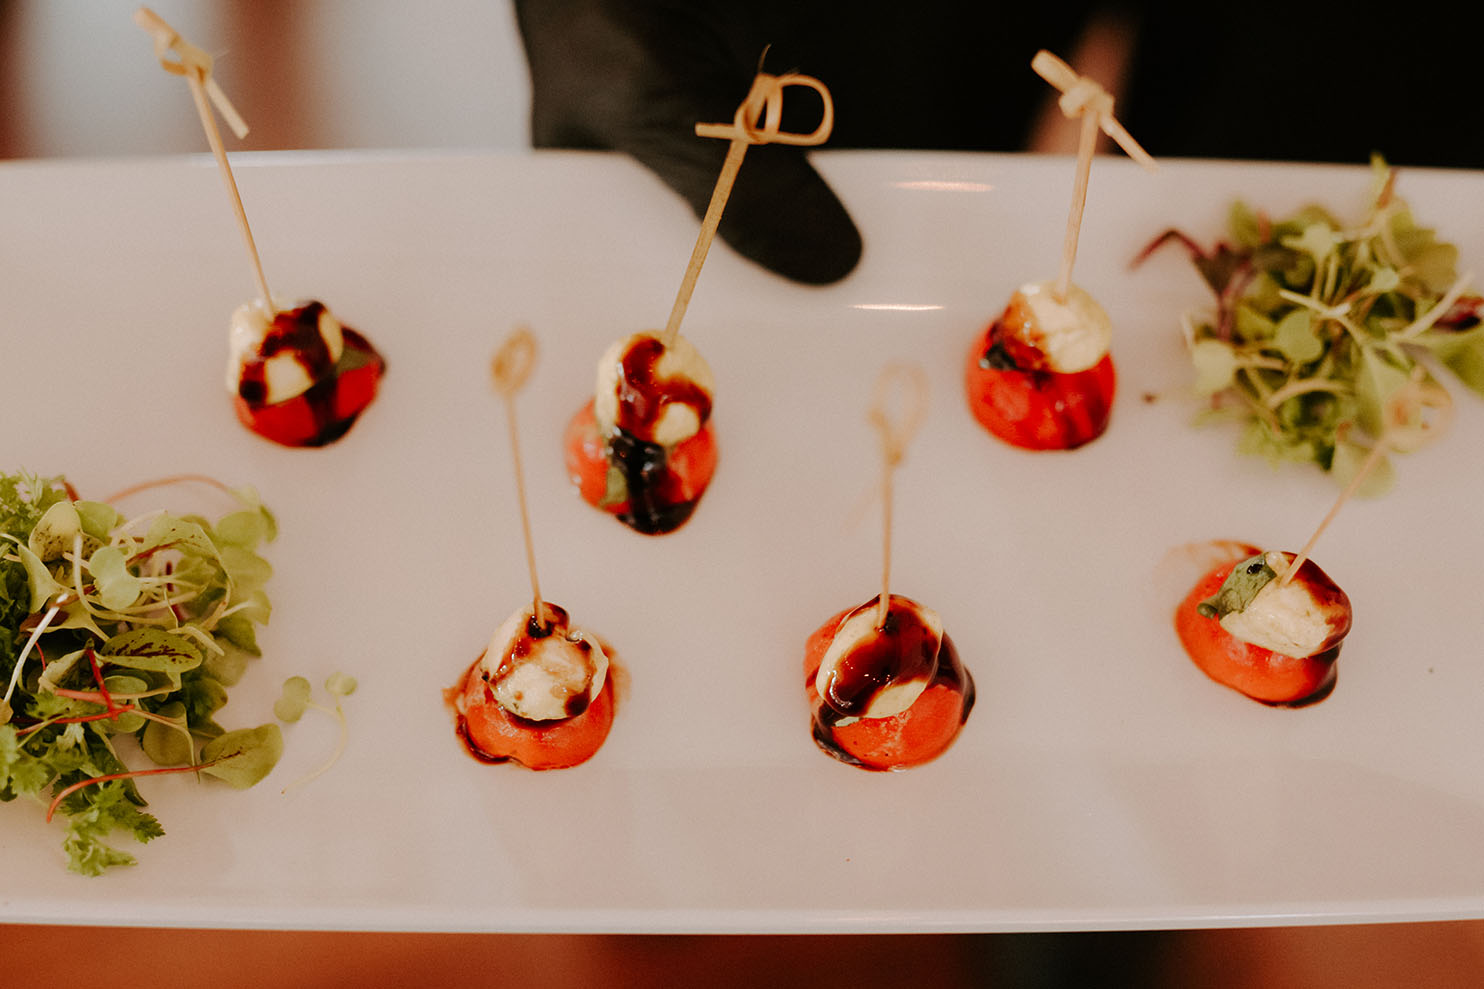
[[1318, 324], [120, 636]]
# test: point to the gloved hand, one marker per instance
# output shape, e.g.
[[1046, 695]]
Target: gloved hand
[[637, 75]]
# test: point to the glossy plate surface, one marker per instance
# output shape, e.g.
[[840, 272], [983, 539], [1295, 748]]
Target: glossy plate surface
[[1102, 781]]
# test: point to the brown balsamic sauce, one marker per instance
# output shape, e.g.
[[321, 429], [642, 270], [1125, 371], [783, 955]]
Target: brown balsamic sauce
[[1325, 592], [643, 395], [1009, 350], [452, 697], [322, 397], [901, 650], [951, 673], [655, 503], [295, 332]]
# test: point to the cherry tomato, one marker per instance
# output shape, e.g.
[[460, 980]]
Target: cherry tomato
[[493, 734], [668, 493], [917, 735], [1036, 409], [329, 408]]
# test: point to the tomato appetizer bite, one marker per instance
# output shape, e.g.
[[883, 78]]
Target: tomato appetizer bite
[[1040, 376], [886, 695], [643, 449], [298, 376], [1274, 638], [539, 695]]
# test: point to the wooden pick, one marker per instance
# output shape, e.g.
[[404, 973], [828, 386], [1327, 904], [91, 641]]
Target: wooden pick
[[195, 65], [757, 121], [1084, 98], [909, 382], [509, 369], [1414, 415]]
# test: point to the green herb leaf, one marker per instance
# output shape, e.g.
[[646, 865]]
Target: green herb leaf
[[243, 757], [117, 587], [616, 488], [245, 529], [1318, 241], [1295, 339], [1315, 325], [44, 587], [106, 808], [1239, 588], [239, 630], [296, 698], [1378, 379], [152, 649], [1215, 365], [202, 697], [292, 703], [166, 680], [168, 742], [1462, 352], [131, 722], [55, 532]]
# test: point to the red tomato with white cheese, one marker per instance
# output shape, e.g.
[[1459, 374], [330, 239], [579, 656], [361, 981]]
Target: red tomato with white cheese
[[1280, 651], [906, 734]]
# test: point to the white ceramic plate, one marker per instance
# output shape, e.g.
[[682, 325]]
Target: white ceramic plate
[[1102, 782]]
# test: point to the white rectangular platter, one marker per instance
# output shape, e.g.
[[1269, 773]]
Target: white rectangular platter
[[1101, 782]]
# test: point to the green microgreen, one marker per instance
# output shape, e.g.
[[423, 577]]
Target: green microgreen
[[298, 696], [113, 626], [1318, 325]]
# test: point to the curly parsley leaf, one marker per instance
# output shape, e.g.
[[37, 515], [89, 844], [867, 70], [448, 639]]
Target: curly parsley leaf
[[106, 809]]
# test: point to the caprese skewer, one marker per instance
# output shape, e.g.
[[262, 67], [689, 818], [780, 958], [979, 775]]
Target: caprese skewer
[[296, 374], [885, 685], [643, 449], [1269, 624], [541, 695], [1041, 376], [1275, 641]]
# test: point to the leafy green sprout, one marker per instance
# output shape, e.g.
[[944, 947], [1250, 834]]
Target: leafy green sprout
[[1318, 326], [239, 758], [123, 626], [297, 697]]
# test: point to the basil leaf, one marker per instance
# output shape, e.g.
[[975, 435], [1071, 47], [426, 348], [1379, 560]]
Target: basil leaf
[[1239, 588]]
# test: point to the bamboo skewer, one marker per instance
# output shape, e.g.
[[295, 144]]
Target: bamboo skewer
[[1406, 426], [509, 369], [911, 381], [1083, 98], [195, 65], [758, 121]]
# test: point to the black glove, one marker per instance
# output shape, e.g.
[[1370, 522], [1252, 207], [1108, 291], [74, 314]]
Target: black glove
[[638, 75]]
